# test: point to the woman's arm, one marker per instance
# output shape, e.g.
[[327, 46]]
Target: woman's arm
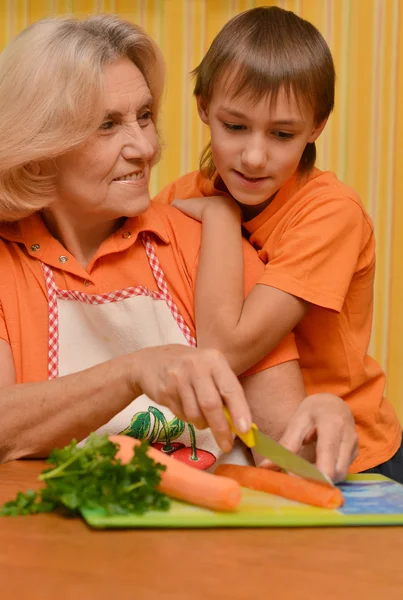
[[192, 382]]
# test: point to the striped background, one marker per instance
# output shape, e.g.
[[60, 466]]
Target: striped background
[[363, 142]]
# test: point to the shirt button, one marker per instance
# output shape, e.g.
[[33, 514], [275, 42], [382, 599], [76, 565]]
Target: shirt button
[[126, 235], [86, 282], [63, 259], [35, 247]]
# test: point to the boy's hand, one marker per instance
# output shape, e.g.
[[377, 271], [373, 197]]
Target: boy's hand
[[196, 207], [328, 420]]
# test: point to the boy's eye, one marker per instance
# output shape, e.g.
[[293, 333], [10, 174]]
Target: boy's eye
[[144, 118], [283, 135], [233, 126]]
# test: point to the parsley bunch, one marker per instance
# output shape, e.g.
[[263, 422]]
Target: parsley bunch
[[90, 478]]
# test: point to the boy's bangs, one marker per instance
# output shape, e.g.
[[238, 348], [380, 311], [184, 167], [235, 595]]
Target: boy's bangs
[[253, 84]]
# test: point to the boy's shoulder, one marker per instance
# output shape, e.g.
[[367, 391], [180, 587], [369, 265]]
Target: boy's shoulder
[[324, 187], [328, 181], [191, 185]]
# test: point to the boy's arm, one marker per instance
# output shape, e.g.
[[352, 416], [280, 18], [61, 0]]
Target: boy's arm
[[246, 330], [319, 427]]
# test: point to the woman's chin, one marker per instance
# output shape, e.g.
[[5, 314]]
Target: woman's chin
[[133, 207]]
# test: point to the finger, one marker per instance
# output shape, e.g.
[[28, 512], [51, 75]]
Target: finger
[[211, 406], [191, 207], [233, 396], [328, 448], [347, 454], [174, 392], [299, 430], [267, 464], [190, 406]]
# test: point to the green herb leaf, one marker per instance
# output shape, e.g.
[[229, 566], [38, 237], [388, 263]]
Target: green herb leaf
[[90, 478]]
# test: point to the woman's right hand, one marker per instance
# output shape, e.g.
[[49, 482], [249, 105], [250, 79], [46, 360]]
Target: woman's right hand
[[194, 384]]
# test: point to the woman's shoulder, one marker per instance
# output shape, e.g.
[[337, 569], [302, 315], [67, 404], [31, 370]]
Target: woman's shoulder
[[191, 185], [176, 223]]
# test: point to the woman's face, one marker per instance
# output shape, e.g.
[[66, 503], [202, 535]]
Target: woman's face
[[108, 176]]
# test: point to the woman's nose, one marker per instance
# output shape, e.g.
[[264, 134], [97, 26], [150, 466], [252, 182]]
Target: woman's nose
[[141, 143]]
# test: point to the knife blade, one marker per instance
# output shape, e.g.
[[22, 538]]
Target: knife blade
[[278, 454]]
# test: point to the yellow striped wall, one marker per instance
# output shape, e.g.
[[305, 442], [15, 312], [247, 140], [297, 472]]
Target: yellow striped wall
[[363, 142]]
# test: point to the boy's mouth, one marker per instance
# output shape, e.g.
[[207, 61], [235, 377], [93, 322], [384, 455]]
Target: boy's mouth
[[248, 179]]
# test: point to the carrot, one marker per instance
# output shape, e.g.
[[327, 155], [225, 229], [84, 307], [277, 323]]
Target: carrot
[[281, 484], [183, 482]]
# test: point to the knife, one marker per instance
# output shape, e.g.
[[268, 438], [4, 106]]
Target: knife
[[277, 454]]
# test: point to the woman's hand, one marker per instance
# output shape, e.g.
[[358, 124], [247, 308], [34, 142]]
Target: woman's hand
[[326, 419], [194, 384], [197, 207]]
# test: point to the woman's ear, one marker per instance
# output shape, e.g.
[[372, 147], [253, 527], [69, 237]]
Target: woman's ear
[[317, 131], [202, 110]]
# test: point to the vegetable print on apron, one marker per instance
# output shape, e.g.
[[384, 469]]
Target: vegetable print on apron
[[88, 329]]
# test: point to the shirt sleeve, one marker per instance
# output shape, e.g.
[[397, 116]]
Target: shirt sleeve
[[318, 252], [286, 349]]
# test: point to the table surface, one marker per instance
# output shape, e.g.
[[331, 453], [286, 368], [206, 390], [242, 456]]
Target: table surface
[[50, 557]]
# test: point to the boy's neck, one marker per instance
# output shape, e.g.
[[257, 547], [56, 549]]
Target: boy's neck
[[250, 212]]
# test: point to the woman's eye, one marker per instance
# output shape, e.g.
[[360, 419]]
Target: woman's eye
[[283, 135], [145, 117], [107, 126], [233, 126]]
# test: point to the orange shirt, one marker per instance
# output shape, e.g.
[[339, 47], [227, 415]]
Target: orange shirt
[[317, 243], [119, 263]]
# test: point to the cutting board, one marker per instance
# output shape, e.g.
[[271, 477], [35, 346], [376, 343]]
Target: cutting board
[[369, 500]]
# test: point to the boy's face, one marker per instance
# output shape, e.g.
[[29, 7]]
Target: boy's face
[[257, 148]]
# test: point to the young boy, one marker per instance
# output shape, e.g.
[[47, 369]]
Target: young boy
[[266, 88]]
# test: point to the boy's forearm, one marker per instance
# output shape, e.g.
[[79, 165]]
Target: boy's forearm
[[273, 396], [220, 281]]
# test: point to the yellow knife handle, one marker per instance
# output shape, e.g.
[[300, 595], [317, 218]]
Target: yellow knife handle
[[247, 438]]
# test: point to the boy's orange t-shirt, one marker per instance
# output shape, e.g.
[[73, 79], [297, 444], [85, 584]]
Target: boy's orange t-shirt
[[317, 243], [120, 262]]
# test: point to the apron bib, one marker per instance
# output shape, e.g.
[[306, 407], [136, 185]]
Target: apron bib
[[88, 329]]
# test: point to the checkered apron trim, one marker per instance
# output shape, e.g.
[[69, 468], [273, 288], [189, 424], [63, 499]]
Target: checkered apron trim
[[54, 293]]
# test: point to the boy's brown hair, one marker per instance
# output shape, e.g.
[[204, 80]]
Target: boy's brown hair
[[262, 51]]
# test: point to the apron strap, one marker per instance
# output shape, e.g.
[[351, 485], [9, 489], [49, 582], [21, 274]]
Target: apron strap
[[53, 351], [163, 287]]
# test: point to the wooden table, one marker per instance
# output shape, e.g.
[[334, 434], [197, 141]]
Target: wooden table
[[47, 557]]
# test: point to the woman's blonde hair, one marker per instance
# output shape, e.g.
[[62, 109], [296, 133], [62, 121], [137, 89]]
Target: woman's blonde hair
[[51, 81], [260, 52]]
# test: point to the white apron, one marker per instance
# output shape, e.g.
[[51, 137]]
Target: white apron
[[88, 329]]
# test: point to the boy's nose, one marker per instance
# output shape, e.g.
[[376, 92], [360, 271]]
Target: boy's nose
[[254, 156]]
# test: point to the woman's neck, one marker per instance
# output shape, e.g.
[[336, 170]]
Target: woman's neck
[[81, 237]]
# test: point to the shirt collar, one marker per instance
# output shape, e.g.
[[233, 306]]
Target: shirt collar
[[40, 244], [32, 230]]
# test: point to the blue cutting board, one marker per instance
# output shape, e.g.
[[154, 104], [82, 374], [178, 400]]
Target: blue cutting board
[[369, 500]]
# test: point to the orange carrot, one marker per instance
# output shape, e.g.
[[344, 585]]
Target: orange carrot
[[183, 482], [281, 484]]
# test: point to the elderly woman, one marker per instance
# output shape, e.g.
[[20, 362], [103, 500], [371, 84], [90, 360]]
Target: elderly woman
[[96, 292]]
